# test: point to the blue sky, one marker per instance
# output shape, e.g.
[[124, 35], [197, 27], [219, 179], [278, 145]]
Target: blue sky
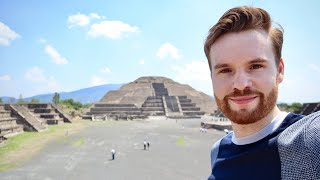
[[55, 46]]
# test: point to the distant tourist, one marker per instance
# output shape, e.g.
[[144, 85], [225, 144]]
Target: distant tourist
[[244, 55], [144, 144], [113, 153], [148, 145]]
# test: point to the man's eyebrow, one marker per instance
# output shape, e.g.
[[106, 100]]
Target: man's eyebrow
[[218, 66], [258, 60]]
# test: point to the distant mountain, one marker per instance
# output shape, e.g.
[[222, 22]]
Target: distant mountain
[[86, 95]]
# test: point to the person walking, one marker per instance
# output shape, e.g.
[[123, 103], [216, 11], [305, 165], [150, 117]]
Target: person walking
[[113, 153], [144, 145]]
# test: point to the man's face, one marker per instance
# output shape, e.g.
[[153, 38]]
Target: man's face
[[244, 75]]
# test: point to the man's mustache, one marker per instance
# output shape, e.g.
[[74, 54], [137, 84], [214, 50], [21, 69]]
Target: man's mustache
[[245, 92]]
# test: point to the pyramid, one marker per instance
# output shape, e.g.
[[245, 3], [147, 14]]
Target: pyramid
[[155, 96]]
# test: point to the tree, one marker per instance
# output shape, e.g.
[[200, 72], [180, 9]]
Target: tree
[[1, 100], [56, 98], [295, 106], [35, 100]]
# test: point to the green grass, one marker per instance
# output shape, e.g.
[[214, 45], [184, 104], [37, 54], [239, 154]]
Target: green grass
[[16, 142], [78, 142], [20, 147], [181, 141]]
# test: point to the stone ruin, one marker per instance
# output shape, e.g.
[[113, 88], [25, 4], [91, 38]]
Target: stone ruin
[[152, 96], [16, 118]]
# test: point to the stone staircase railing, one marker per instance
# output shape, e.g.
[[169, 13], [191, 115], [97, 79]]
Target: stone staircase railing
[[28, 117]]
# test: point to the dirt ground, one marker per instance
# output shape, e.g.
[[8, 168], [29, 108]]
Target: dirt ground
[[178, 150]]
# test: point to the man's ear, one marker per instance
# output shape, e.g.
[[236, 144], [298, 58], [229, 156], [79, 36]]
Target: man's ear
[[280, 71]]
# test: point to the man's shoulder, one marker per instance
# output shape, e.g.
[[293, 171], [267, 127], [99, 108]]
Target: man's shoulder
[[299, 149]]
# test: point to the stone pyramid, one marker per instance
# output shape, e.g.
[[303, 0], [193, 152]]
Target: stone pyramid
[[152, 95]]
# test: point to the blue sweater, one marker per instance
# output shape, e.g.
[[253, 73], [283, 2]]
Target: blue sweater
[[267, 158]]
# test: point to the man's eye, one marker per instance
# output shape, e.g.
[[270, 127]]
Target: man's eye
[[255, 66], [224, 71]]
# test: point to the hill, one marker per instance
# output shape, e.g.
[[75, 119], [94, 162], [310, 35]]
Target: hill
[[86, 95]]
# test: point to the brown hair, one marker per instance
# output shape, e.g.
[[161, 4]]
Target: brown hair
[[245, 18]]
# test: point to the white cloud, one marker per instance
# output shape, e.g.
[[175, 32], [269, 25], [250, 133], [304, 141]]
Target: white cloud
[[96, 80], [314, 67], [5, 78], [196, 74], [78, 20], [55, 56], [35, 74], [111, 29], [7, 35], [96, 16], [167, 50], [105, 70], [82, 19], [196, 70], [141, 61]]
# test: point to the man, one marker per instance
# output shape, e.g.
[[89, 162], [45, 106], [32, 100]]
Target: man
[[244, 55], [113, 153], [144, 144]]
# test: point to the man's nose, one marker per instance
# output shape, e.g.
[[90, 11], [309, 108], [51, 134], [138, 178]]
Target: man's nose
[[242, 80]]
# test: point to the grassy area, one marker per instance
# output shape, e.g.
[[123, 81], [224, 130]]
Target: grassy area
[[78, 142], [13, 151], [181, 141]]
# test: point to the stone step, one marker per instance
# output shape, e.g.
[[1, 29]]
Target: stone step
[[182, 97], [146, 112], [48, 116], [154, 97], [113, 109], [152, 109], [8, 118], [154, 101], [153, 113], [43, 110], [54, 121], [115, 113], [7, 123], [190, 109], [188, 105], [191, 113], [185, 101], [152, 105], [2, 108], [37, 105], [115, 105], [7, 130], [5, 113]]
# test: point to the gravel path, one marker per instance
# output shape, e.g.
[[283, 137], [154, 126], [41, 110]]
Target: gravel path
[[178, 151]]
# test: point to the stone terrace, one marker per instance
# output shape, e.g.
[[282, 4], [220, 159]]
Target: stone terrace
[[16, 118], [8, 123]]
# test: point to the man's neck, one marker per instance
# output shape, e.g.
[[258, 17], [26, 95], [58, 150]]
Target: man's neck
[[242, 130]]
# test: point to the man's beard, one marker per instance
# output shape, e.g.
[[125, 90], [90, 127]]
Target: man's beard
[[265, 106]]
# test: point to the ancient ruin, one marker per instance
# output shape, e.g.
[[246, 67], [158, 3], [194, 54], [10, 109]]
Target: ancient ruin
[[309, 108], [152, 96], [16, 118]]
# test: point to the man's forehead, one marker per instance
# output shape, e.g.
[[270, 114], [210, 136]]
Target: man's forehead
[[248, 45]]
